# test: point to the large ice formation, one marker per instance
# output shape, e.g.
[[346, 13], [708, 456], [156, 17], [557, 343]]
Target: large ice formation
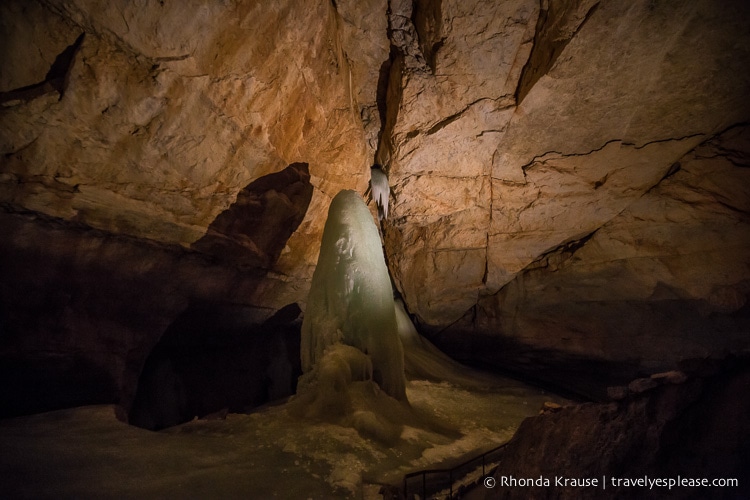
[[351, 299]]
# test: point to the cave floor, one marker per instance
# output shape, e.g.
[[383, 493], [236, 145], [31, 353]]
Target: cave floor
[[87, 453]]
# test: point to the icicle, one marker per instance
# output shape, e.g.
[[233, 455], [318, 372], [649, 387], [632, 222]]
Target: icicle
[[381, 190]]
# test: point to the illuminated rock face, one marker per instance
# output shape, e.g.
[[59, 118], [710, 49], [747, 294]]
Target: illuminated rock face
[[169, 110], [516, 131], [665, 280], [531, 155]]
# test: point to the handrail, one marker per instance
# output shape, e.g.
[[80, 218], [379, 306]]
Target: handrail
[[450, 472]]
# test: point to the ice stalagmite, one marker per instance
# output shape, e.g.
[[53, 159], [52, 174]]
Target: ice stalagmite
[[351, 300]]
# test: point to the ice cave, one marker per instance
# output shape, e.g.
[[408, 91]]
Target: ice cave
[[381, 249]]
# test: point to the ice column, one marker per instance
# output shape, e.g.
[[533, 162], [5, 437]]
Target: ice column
[[351, 300]]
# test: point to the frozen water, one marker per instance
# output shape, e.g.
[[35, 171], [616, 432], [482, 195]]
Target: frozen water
[[422, 360], [351, 300], [86, 453], [374, 439], [381, 191]]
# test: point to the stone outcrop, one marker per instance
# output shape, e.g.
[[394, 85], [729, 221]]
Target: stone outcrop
[[254, 230], [81, 310], [170, 110], [131, 133], [212, 360], [693, 429]]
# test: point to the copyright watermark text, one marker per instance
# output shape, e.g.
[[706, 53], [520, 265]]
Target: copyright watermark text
[[605, 482]]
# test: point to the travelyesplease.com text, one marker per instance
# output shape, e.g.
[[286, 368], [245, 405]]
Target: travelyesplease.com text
[[605, 482]]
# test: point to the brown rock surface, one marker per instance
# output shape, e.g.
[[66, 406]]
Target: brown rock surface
[[31, 41], [483, 188], [569, 178], [695, 430], [81, 309], [666, 279], [171, 109]]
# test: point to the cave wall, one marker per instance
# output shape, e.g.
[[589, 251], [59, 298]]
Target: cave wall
[[569, 177], [665, 280], [689, 425], [158, 154], [214, 359], [485, 183], [169, 110], [613, 132], [82, 309]]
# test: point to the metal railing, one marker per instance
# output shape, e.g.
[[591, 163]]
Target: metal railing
[[434, 481]]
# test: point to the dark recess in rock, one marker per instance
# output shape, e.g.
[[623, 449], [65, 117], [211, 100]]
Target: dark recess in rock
[[673, 169], [46, 381], [381, 97], [551, 259], [55, 81], [428, 19], [574, 373], [81, 308], [555, 28], [252, 232], [576, 376], [390, 103], [214, 357]]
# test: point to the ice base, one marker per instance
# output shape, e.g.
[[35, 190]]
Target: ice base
[[86, 453]]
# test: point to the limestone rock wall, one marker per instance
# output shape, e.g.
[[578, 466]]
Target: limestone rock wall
[[81, 309], [568, 180], [155, 154], [666, 279], [169, 109], [532, 127]]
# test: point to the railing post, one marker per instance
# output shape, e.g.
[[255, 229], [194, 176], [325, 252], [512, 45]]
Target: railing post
[[424, 485]]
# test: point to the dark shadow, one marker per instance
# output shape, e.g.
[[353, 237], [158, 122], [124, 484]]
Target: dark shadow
[[56, 79], [253, 231], [553, 33], [214, 358], [41, 382], [427, 17]]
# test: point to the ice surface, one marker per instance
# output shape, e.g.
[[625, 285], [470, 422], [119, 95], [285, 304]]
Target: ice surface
[[381, 191], [351, 300], [87, 453], [358, 438]]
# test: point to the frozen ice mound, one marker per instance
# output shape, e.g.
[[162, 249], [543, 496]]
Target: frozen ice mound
[[351, 299], [339, 389], [352, 358]]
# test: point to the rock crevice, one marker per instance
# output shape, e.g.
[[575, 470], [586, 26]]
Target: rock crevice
[[556, 26]]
